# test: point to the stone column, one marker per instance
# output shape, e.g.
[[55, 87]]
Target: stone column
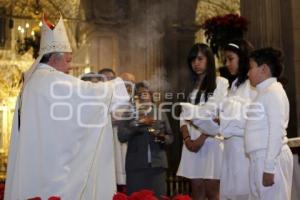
[[179, 37]]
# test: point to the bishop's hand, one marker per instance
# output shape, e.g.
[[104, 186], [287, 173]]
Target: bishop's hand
[[268, 179]]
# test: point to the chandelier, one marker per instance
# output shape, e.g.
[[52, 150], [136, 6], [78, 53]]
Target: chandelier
[[28, 32], [28, 38]]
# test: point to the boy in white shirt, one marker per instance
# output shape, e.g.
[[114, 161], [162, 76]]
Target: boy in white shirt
[[271, 162]]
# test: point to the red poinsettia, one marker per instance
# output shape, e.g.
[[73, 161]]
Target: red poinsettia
[[143, 195], [120, 196], [219, 30], [147, 195], [54, 198]]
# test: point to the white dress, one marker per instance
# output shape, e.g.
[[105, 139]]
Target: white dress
[[235, 167], [206, 163]]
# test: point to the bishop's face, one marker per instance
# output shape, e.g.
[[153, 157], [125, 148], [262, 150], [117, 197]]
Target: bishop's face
[[63, 63]]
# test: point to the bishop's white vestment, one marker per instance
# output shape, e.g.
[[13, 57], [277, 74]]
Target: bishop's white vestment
[[64, 146]]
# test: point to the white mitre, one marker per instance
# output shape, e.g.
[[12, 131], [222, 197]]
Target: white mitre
[[55, 40], [52, 40]]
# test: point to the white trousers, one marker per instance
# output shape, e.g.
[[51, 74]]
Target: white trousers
[[281, 190]]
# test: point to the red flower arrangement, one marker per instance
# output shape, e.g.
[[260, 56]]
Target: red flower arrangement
[[147, 195], [220, 30], [141, 195], [54, 198]]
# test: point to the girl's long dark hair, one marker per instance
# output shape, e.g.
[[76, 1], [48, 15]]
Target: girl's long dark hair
[[208, 84], [243, 49]]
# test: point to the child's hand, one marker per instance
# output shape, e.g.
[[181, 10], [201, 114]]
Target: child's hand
[[191, 146], [195, 145], [200, 141], [268, 179], [217, 120], [146, 120]]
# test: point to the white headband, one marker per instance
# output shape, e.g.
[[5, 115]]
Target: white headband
[[234, 45]]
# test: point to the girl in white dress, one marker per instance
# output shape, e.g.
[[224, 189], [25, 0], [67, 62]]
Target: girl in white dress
[[271, 160], [201, 157], [235, 166]]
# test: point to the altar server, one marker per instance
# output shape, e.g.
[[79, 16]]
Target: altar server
[[271, 161], [201, 156], [235, 166]]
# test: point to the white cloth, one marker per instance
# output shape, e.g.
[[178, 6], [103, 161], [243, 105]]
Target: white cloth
[[201, 117], [120, 155], [281, 190], [266, 126], [210, 108], [61, 149], [206, 163], [233, 110], [235, 166]]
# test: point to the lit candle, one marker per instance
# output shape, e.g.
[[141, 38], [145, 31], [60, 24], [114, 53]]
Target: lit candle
[[22, 33], [32, 34]]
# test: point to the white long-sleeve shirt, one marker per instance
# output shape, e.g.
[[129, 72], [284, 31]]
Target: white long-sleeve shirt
[[203, 113], [266, 125], [232, 112]]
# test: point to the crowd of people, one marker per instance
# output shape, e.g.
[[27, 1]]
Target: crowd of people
[[237, 148], [139, 140], [233, 150], [233, 128]]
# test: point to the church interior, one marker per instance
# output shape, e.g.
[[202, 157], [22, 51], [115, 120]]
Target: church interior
[[149, 39]]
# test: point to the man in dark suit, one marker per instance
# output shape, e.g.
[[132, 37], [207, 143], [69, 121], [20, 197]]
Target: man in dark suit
[[147, 137]]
